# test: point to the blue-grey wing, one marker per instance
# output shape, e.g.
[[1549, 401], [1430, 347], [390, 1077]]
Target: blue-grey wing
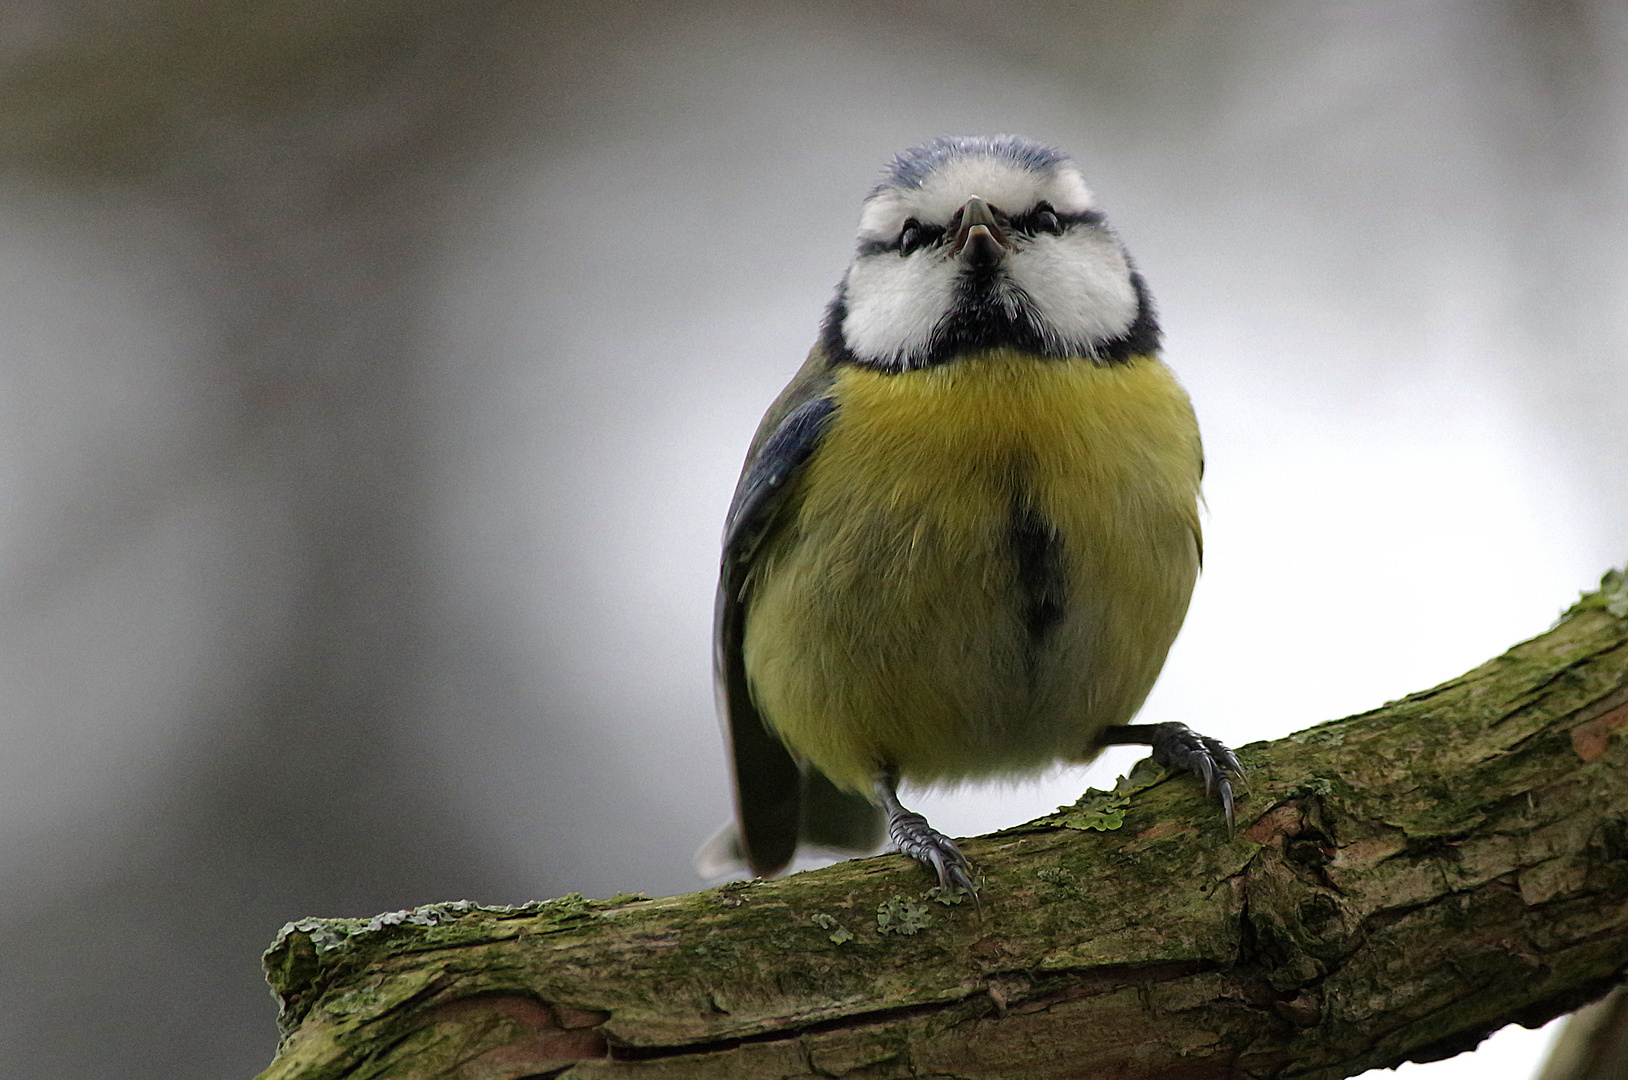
[[768, 780]]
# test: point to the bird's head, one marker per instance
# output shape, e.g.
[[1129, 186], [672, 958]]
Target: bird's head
[[970, 244]]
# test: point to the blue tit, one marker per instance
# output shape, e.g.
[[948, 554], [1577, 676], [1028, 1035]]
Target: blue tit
[[966, 533]]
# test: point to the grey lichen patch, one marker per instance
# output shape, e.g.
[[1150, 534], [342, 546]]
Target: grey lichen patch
[[308, 952], [901, 916], [329, 935], [948, 895], [838, 934]]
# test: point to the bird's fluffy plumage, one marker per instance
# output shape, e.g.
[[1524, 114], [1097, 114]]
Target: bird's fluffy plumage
[[966, 532]]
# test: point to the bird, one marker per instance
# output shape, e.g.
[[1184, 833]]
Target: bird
[[967, 531]]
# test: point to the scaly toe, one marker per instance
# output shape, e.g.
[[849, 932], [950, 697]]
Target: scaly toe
[[1177, 746], [914, 837]]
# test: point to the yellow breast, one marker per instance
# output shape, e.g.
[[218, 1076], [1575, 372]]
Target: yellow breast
[[886, 628]]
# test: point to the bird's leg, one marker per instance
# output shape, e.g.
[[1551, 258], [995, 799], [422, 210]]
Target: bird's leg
[[914, 837], [1177, 746]]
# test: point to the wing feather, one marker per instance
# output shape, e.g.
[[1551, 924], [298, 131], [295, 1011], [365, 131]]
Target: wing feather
[[768, 779]]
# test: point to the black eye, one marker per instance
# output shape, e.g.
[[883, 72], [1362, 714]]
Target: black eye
[[911, 236], [1046, 220]]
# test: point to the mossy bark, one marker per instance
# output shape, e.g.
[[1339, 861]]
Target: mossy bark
[[1401, 883]]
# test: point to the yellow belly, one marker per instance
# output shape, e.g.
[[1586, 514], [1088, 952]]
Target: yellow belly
[[885, 627]]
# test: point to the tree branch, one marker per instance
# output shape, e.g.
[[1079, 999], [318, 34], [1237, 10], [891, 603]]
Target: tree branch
[[1402, 883]]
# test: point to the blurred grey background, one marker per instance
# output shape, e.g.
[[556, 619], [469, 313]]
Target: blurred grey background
[[374, 375]]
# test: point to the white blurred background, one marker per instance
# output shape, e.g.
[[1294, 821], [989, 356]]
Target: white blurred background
[[374, 375]]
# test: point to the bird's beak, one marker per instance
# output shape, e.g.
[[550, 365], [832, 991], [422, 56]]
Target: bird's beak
[[979, 240]]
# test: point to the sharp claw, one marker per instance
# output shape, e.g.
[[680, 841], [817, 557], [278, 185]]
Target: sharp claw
[[1176, 746], [946, 862], [932, 849], [1205, 768]]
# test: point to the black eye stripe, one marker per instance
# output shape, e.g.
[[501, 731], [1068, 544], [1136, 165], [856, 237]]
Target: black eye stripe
[[916, 235], [1035, 220], [1082, 217], [932, 234], [924, 235], [1040, 219]]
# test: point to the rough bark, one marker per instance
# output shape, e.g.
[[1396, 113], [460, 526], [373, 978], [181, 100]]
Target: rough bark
[[1402, 883]]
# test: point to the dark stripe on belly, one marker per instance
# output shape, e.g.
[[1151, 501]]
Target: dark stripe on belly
[[1037, 548]]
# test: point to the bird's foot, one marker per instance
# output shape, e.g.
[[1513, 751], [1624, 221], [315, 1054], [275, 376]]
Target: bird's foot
[[912, 836], [1177, 746]]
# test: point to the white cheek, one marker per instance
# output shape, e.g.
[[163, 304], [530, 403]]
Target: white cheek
[[1079, 283], [894, 303], [1068, 193], [882, 217]]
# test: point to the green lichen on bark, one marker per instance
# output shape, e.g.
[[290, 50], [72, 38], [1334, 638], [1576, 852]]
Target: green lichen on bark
[[898, 915], [1400, 883]]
